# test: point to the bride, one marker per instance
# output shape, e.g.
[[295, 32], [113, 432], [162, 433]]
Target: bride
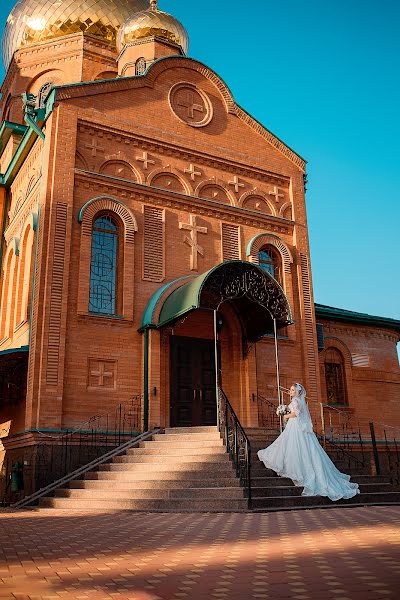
[[297, 454]]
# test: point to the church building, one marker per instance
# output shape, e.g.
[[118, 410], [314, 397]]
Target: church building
[[154, 239]]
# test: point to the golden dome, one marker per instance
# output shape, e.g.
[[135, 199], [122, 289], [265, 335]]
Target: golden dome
[[33, 21], [153, 22]]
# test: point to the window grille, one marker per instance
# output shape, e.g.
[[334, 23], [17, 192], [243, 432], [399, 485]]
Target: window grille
[[103, 266], [140, 66]]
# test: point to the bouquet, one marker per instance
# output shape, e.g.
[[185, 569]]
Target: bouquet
[[282, 410]]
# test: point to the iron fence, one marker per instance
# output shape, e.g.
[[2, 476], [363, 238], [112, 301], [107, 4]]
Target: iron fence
[[30, 468], [354, 443]]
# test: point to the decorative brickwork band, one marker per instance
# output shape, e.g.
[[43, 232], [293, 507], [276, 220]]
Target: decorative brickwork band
[[57, 293], [230, 235], [154, 244]]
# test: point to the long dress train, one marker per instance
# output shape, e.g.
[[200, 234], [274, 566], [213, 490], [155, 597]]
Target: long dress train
[[298, 455]]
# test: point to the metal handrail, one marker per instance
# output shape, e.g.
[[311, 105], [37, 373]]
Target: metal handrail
[[85, 469], [236, 441]]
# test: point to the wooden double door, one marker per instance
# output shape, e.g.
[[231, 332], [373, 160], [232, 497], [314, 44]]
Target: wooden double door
[[192, 376]]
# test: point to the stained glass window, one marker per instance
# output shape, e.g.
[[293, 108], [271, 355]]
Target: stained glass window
[[103, 267], [269, 261]]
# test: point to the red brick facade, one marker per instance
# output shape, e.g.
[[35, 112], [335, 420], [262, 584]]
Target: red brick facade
[[190, 180]]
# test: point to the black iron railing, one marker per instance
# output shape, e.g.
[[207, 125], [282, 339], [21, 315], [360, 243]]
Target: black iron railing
[[36, 466], [267, 417], [374, 442], [236, 442]]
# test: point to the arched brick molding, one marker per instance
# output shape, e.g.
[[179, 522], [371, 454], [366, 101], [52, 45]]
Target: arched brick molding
[[223, 196], [263, 239], [81, 162], [112, 166], [25, 269], [338, 344], [128, 223], [9, 288], [181, 187], [286, 211], [257, 196]]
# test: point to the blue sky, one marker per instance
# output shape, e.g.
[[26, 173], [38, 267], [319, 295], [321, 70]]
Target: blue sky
[[324, 77]]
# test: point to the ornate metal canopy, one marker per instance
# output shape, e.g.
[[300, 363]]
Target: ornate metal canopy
[[255, 295]]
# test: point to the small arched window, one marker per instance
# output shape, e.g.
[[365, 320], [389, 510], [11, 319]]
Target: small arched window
[[334, 377], [103, 266], [140, 66], [270, 261], [43, 93]]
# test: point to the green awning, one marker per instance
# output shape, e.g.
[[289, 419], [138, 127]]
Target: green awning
[[255, 295], [10, 351]]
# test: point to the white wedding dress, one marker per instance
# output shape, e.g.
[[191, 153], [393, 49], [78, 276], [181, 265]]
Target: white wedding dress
[[297, 454]]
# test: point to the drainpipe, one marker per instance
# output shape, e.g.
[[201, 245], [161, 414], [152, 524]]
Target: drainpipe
[[146, 381]]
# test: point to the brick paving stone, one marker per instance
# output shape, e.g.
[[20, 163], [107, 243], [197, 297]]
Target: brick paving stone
[[348, 554]]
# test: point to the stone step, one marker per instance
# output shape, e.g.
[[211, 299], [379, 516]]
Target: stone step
[[179, 443], [262, 482], [192, 438], [292, 490], [137, 484], [158, 449], [145, 457], [301, 501], [179, 430], [214, 505], [161, 475], [183, 494], [174, 467]]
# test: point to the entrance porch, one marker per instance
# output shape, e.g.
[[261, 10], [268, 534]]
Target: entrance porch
[[200, 334]]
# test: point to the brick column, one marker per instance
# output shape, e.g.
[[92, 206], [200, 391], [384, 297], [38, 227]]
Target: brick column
[[49, 318]]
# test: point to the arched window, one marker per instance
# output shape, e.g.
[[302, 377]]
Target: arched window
[[43, 93], [140, 66], [270, 261], [334, 377], [103, 266]]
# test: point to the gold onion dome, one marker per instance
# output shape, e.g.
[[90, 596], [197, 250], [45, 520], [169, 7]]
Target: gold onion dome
[[33, 21], [153, 22]]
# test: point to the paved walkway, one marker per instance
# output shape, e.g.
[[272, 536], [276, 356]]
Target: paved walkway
[[336, 554]]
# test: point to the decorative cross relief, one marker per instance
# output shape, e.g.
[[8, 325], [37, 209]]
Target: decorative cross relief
[[102, 373], [94, 147], [189, 102], [236, 182], [192, 172], [192, 241], [145, 160], [276, 194]]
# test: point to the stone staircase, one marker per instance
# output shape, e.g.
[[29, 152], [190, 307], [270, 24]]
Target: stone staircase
[[270, 492], [179, 470]]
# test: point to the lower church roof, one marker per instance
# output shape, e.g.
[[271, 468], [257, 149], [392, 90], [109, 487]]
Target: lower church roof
[[348, 316]]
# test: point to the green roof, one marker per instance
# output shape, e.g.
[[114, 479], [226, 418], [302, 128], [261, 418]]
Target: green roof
[[348, 316]]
